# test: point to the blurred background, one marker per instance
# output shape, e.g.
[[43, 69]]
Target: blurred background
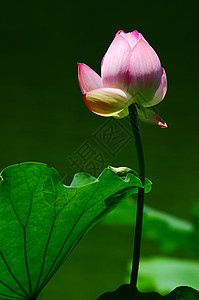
[[44, 118]]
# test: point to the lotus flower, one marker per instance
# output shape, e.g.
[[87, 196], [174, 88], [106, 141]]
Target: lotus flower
[[131, 72]]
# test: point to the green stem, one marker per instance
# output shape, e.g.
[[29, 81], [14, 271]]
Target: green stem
[[140, 202]]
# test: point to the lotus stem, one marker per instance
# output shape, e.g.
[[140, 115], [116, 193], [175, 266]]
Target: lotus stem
[[140, 200]]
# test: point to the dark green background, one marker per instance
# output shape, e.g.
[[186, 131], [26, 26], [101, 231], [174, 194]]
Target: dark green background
[[43, 116]]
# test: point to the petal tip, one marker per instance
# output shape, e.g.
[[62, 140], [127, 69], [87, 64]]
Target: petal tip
[[88, 79], [136, 34], [120, 32], [163, 125], [80, 64]]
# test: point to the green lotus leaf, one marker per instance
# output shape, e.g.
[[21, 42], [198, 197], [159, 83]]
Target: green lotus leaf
[[125, 292], [42, 220]]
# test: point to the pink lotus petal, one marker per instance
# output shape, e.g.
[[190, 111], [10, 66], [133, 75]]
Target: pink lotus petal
[[115, 64], [88, 79], [136, 34], [149, 116], [144, 72], [161, 91], [107, 101], [142, 37], [122, 33], [132, 38]]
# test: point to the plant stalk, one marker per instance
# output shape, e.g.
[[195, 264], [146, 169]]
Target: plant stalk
[[140, 200]]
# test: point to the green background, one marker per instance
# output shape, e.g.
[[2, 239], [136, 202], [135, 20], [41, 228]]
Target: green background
[[44, 118]]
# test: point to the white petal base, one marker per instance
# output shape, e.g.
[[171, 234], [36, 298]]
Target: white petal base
[[108, 101]]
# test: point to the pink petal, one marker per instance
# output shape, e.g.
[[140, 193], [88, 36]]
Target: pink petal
[[142, 37], [161, 91], [88, 79], [107, 101], [149, 116], [135, 33], [130, 37], [144, 72], [115, 64]]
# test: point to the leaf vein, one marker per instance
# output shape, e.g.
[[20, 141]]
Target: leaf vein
[[9, 296], [66, 239], [26, 262], [11, 273], [8, 287], [45, 251]]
